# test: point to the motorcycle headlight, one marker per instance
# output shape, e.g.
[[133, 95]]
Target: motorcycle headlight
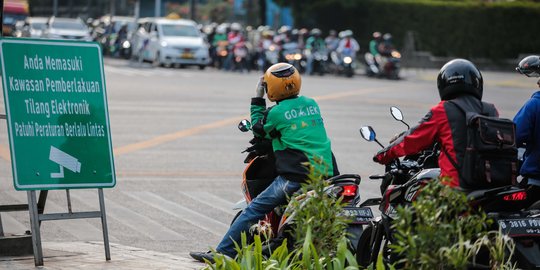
[[272, 48], [126, 44], [347, 60], [163, 44], [396, 54]]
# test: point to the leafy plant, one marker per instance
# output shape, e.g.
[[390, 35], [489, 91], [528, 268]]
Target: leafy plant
[[441, 231], [319, 233]]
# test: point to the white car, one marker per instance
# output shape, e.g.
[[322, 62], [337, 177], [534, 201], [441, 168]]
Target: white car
[[170, 42], [66, 28], [33, 27]]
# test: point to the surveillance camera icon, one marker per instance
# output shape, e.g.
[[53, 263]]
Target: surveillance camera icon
[[64, 160]]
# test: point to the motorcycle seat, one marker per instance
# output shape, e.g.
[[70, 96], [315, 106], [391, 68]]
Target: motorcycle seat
[[345, 178], [480, 193]]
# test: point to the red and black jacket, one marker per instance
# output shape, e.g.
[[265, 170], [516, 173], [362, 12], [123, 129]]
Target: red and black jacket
[[445, 124]]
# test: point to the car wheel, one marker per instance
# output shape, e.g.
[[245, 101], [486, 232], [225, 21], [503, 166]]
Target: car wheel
[[202, 67]]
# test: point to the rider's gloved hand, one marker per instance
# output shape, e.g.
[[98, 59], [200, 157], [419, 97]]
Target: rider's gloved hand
[[381, 157], [261, 88]]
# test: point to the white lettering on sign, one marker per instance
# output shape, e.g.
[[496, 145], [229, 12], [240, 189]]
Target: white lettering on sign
[[57, 64], [64, 64], [34, 62], [28, 85], [306, 111]]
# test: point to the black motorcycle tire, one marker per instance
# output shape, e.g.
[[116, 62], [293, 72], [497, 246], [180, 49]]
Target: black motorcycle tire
[[364, 248]]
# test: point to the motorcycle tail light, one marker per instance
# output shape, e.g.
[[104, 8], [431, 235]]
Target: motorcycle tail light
[[348, 192], [518, 196]]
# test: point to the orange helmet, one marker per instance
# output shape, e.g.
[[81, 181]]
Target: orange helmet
[[282, 81]]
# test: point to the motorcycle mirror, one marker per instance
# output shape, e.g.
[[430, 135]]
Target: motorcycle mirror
[[368, 133], [396, 113], [244, 125]]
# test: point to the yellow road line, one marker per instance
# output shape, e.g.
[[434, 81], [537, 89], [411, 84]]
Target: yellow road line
[[4, 152], [176, 135], [130, 148], [233, 120]]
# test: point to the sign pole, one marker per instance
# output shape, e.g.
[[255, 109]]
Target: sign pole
[[34, 224], [104, 224]]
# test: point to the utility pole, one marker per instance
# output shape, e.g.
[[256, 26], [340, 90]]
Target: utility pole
[[193, 9], [158, 9], [55, 8]]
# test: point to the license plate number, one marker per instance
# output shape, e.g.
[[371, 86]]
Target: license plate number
[[358, 215], [520, 227], [187, 55]]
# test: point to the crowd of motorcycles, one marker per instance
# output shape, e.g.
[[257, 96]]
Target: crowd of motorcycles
[[371, 235], [234, 48], [257, 49]]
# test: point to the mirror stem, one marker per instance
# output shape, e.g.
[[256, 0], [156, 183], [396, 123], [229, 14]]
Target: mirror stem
[[408, 127], [377, 141]]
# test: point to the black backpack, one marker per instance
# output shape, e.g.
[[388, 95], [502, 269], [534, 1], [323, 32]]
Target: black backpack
[[490, 157]]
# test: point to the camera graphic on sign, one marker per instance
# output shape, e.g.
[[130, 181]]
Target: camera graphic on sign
[[64, 160]]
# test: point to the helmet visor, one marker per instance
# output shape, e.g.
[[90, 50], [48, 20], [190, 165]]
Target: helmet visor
[[528, 72], [283, 73]]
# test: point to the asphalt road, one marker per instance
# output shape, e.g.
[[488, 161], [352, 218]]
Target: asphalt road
[[177, 148]]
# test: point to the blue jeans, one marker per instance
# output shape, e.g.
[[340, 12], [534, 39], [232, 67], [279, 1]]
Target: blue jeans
[[274, 195]]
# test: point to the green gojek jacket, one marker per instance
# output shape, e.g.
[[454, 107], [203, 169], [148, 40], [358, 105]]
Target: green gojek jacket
[[298, 136]]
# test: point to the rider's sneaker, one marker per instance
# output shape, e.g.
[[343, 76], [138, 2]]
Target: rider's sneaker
[[201, 256]]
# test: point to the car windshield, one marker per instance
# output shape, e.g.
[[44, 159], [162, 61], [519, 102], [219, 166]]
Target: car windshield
[[179, 30], [71, 25], [130, 25], [38, 25]]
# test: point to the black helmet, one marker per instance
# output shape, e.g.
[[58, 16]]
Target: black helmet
[[458, 77], [529, 66]]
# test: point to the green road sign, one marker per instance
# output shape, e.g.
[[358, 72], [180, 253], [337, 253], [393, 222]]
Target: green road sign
[[57, 115]]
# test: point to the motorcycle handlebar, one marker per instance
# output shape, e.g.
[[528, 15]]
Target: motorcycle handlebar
[[375, 177]]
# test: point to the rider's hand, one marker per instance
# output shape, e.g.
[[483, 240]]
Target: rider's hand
[[381, 157], [261, 88]]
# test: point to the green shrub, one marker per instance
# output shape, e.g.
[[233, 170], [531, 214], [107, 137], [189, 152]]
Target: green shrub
[[470, 29], [319, 232], [441, 231]]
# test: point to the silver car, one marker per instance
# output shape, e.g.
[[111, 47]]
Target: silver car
[[66, 28], [170, 42]]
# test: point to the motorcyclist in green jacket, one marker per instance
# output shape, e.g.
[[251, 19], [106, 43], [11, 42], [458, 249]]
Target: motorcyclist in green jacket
[[299, 142]]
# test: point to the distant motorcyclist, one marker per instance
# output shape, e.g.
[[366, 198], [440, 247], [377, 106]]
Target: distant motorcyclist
[[387, 45], [374, 47], [296, 128], [527, 122], [332, 41], [459, 82], [313, 44], [348, 45], [234, 37]]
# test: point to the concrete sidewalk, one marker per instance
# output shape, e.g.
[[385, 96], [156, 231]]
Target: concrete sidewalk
[[91, 255]]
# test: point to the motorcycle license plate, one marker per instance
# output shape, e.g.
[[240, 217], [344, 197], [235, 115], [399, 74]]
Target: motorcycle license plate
[[358, 215], [187, 55], [520, 227]]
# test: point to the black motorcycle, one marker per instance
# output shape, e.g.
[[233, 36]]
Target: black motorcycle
[[402, 183]]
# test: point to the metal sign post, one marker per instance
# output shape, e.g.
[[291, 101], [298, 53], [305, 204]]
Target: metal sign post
[[58, 124]]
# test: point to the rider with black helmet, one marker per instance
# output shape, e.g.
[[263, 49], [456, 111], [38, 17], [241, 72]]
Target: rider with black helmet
[[527, 122], [460, 84]]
